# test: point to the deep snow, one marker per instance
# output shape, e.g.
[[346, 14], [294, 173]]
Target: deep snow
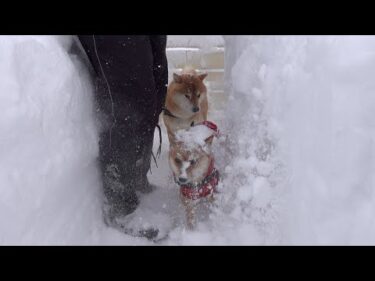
[[296, 152], [316, 97]]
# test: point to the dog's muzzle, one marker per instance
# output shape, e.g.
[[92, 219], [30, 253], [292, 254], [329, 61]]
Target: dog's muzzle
[[204, 188]]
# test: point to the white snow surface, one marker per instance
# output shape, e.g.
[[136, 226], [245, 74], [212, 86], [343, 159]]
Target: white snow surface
[[195, 136], [296, 150], [313, 98]]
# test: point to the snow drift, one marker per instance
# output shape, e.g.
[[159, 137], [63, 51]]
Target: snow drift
[[48, 178], [313, 97]]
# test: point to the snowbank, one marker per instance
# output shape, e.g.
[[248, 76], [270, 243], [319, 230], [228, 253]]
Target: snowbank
[[312, 100], [48, 177]]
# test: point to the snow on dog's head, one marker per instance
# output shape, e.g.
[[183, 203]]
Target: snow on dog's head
[[190, 156], [199, 136]]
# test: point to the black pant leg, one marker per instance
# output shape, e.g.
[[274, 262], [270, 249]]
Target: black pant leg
[[130, 102], [159, 44], [160, 72]]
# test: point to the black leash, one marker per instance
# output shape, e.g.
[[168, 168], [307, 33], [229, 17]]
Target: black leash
[[168, 113], [160, 139], [159, 149]]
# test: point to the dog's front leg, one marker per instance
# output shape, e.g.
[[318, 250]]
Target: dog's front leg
[[189, 211], [190, 215]]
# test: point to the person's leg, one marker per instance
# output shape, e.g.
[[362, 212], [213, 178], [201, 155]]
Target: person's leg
[[160, 73], [117, 157], [129, 101], [159, 44]]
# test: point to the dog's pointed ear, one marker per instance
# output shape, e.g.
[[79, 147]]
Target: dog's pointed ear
[[209, 140], [177, 78], [202, 76]]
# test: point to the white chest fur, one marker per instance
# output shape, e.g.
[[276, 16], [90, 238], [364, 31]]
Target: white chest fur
[[176, 124]]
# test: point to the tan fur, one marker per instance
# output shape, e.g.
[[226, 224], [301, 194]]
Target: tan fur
[[191, 84], [187, 83], [194, 173]]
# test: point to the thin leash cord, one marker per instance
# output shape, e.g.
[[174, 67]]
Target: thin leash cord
[[109, 90], [160, 142], [159, 149]]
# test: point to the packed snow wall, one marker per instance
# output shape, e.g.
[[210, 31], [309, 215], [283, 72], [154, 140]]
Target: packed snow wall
[[304, 106], [49, 188]]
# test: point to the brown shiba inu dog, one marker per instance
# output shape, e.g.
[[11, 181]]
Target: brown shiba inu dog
[[193, 167], [186, 102]]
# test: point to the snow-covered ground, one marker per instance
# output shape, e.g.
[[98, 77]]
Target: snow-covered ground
[[296, 152]]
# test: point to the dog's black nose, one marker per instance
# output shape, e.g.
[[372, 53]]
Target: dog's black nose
[[195, 109], [182, 180]]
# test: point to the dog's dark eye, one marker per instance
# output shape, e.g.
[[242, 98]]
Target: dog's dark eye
[[198, 95], [187, 96], [178, 161], [193, 162]]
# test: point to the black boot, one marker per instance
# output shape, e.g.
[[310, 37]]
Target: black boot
[[122, 178], [117, 163], [125, 156]]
